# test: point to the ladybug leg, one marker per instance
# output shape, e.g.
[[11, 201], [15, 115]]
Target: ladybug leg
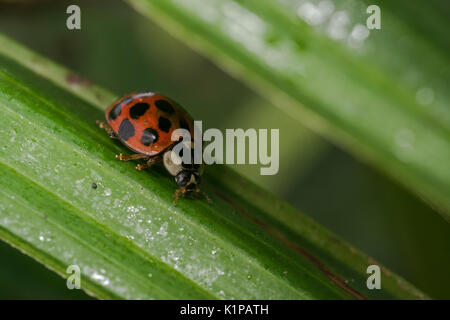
[[136, 156], [177, 194], [205, 195], [107, 128], [151, 161]]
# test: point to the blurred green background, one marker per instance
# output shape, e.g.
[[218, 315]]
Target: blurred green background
[[122, 51]]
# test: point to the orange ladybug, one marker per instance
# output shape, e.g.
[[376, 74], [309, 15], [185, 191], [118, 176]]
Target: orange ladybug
[[145, 122]]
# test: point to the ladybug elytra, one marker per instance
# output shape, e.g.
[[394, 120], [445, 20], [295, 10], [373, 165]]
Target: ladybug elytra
[[145, 122]]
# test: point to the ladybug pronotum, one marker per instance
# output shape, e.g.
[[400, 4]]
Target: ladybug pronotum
[[144, 122]]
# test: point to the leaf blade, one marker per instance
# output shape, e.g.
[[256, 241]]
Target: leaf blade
[[221, 236]]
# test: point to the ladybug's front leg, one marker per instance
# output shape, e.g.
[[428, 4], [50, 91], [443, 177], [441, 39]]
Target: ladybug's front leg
[[199, 192], [205, 195], [107, 128], [177, 194]]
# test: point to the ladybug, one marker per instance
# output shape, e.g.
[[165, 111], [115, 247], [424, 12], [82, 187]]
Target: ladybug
[[144, 122]]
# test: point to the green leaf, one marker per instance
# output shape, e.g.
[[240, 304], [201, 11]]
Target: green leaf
[[385, 97], [125, 235]]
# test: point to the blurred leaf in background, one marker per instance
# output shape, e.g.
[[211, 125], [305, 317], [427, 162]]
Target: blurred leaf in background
[[21, 277], [317, 61], [123, 51]]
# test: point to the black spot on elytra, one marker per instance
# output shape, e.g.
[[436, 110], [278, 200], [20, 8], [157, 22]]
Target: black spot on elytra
[[164, 105], [164, 124], [117, 109], [149, 136], [126, 130], [138, 110]]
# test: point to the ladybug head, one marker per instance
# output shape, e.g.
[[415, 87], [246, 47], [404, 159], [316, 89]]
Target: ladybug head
[[187, 175], [188, 179]]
